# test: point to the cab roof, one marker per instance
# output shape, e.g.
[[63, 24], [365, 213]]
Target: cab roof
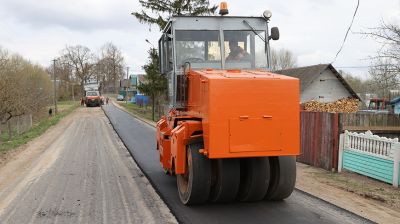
[[183, 22]]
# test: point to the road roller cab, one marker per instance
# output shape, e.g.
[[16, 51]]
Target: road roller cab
[[232, 130]]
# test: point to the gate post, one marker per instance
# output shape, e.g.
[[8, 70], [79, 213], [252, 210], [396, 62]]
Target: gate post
[[340, 159], [396, 159]]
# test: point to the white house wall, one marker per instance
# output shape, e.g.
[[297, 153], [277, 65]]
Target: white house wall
[[326, 88]]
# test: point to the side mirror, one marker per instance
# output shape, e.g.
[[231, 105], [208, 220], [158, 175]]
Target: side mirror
[[274, 33]]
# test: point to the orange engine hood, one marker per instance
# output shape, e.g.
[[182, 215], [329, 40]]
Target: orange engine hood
[[246, 113]]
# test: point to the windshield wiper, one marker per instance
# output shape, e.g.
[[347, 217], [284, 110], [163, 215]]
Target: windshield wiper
[[254, 30]]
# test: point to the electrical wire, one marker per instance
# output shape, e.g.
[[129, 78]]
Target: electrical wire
[[357, 66], [347, 32]]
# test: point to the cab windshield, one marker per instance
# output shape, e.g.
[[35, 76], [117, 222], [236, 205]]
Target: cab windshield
[[202, 49]]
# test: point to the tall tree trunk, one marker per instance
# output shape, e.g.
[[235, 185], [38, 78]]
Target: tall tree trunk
[[116, 86], [83, 88]]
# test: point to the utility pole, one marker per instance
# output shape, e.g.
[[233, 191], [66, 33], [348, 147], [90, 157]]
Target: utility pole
[[127, 84], [55, 86]]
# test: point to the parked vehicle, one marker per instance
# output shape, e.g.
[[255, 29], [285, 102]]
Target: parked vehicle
[[92, 99], [120, 98], [228, 134]]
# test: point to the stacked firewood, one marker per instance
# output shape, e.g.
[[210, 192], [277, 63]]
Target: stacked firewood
[[345, 105]]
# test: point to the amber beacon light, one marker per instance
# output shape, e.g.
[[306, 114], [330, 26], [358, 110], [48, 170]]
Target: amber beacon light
[[223, 8]]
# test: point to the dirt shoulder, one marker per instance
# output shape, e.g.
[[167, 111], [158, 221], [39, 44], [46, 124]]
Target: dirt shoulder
[[16, 163], [361, 195]]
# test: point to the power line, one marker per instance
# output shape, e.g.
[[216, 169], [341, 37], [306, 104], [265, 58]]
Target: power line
[[362, 66], [357, 66], [347, 32]]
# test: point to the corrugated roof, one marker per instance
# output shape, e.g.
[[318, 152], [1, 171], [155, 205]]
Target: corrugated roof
[[307, 74]]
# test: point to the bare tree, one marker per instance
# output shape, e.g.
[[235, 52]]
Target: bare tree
[[385, 68], [3, 57], [81, 59], [65, 78], [24, 87], [110, 65], [384, 76], [282, 59]]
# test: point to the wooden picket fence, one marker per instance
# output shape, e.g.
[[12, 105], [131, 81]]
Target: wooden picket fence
[[368, 121]]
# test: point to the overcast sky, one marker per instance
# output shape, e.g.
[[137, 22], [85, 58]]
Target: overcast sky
[[312, 29]]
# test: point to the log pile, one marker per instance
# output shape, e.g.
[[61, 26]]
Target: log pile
[[345, 105]]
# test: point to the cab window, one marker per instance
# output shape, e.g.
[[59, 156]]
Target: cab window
[[200, 48]]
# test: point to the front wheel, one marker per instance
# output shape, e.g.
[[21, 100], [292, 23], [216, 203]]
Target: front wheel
[[194, 185]]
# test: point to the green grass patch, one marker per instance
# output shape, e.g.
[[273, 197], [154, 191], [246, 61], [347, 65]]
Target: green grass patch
[[67, 103], [37, 129], [144, 112]]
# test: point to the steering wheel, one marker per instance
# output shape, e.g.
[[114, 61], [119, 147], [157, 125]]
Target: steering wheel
[[193, 60]]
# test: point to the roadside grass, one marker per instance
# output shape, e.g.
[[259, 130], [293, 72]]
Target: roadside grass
[[145, 112], [361, 185], [65, 107]]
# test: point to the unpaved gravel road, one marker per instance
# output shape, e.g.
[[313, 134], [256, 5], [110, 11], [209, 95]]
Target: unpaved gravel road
[[78, 172]]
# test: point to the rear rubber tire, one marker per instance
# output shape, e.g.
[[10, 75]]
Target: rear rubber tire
[[283, 177], [254, 178], [226, 180], [194, 186]]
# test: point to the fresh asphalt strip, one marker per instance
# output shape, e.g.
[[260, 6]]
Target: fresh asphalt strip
[[300, 207]]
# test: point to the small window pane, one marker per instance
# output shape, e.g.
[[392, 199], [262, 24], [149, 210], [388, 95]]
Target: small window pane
[[244, 49], [200, 48]]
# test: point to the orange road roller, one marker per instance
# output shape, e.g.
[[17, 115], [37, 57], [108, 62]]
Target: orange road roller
[[232, 130]]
